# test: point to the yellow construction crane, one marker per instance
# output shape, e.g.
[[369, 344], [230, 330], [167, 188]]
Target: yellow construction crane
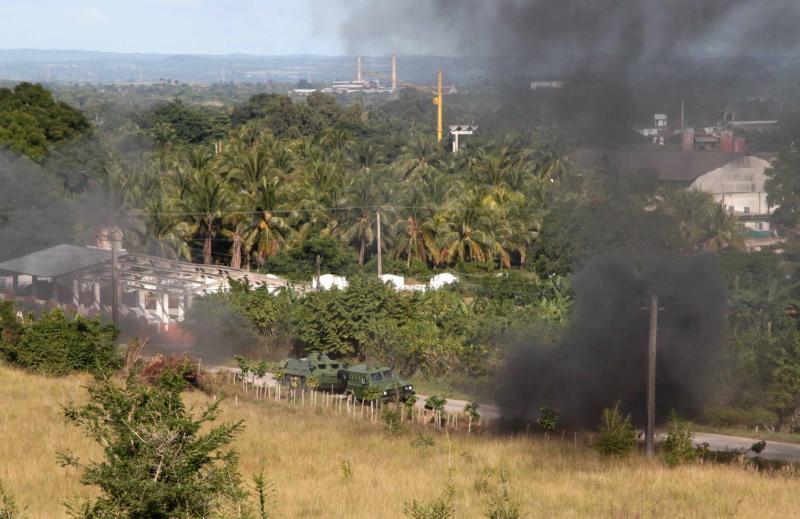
[[436, 92]]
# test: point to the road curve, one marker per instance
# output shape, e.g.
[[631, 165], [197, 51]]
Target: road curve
[[779, 451]]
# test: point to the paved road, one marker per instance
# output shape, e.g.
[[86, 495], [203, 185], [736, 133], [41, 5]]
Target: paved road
[[717, 442], [773, 451]]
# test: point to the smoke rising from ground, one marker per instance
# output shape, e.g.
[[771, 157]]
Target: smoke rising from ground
[[603, 356], [604, 36]]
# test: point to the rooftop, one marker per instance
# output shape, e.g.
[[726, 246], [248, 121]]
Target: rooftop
[[671, 164], [56, 261]]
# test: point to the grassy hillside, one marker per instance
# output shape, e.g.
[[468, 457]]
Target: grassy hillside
[[303, 452]]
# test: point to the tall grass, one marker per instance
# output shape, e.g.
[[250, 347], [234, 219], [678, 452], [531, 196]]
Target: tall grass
[[303, 453]]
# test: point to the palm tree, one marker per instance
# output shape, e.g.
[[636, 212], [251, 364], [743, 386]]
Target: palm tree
[[466, 231], [264, 230], [692, 209], [250, 166], [207, 201], [418, 156], [416, 239], [368, 193], [723, 230]]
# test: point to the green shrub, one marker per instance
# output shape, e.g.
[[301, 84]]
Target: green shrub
[[548, 418], [617, 436], [56, 345], [159, 460], [435, 403], [678, 447], [392, 423], [443, 507], [502, 505]]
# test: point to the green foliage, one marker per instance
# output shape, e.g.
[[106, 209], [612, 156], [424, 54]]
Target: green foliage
[[158, 459], [265, 491], [243, 363], [548, 418], [301, 261], [782, 187], [56, 345], [392, 423], [471, 410], [435, 403], [8, 507], [32, 122], [176, 122], [617, 436], [284, 118], [337, 322], [502, 504], [677, 448], [443, 507], [423, 442]]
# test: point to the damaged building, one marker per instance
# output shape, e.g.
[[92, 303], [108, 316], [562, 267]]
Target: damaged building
[[153, 294]]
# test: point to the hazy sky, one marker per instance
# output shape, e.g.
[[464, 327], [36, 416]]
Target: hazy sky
[[173, 26]]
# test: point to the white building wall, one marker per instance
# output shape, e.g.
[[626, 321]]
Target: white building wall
[[739, 185]]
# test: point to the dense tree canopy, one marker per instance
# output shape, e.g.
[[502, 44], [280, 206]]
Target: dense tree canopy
[[32, 121]]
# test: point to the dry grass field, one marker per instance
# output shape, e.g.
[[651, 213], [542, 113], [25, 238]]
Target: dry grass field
[[303, 452]]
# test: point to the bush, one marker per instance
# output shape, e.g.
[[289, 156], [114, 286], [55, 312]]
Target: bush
[[441, 508], [159, 460], [392, 423], [548, 418], [435, 403], [617, 436], [502, 505], [184, 366], [56, 345], [678, 447]]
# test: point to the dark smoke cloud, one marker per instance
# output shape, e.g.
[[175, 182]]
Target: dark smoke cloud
[[603, 357], [574, 33]]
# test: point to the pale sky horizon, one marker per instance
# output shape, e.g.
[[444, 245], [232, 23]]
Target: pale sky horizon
[[263, 27]]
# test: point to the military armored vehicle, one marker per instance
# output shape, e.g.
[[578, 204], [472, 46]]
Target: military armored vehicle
[[357, 381], [296, 372]]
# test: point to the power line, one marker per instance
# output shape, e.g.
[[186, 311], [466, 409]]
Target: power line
[[137, 212]]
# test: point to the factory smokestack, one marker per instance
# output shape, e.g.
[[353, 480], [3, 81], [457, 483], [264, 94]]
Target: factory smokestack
[[358, 68], [394, 73]]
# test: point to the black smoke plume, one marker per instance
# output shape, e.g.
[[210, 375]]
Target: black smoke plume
[[602, 358], [570, 36]]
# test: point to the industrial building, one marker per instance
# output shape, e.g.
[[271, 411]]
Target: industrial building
[[734, 178]]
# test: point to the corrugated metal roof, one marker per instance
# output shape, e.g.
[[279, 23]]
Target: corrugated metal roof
[[56, 261], [670, 165]]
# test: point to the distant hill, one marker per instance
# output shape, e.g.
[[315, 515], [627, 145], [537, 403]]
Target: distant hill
[[104, 67]]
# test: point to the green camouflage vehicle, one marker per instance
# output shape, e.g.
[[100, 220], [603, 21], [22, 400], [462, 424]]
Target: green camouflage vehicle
[[358, 379], [296, 372]]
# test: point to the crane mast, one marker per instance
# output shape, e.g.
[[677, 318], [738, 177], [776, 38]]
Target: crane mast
[[436, 92]]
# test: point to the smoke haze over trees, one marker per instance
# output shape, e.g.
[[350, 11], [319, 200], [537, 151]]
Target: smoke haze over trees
[[574, 35]]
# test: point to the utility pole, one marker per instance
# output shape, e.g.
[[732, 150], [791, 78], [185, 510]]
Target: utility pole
[[683, 120], [380, 257], [439, 102], [115, 234], [651, 377], [319, 268]]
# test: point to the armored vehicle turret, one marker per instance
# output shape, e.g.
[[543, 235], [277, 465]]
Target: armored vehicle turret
[[357, 381]]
